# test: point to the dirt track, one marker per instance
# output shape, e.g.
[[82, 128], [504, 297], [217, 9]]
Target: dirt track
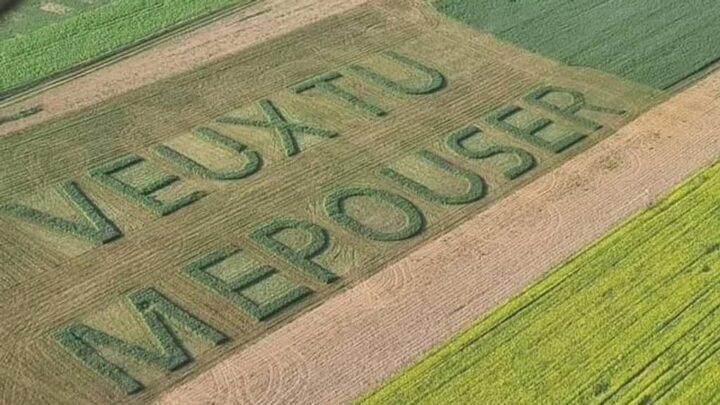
[[269, 19], [358, 339]]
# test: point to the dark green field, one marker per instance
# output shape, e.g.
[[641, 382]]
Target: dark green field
[[656, 42], [634, 319]]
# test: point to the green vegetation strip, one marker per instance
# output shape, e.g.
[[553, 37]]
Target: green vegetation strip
[[32, 56], [633, 319], [655, 42], [20, 115]]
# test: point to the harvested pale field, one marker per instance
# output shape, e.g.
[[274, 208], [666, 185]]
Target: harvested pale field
[[151, 235], [357, 340], [258, 23]]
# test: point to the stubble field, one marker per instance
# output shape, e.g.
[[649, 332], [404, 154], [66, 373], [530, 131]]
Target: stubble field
[[357, 341]]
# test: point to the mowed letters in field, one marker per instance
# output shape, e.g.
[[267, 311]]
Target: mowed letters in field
[[147, 237]]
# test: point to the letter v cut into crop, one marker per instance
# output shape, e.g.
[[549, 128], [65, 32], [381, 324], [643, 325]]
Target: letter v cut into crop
[[99, 230]]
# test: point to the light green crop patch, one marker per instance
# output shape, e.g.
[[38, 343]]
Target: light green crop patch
[[40, 40]]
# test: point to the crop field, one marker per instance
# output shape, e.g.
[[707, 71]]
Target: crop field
[[152, 234], [40, 40], [656, 42], [630, 320]]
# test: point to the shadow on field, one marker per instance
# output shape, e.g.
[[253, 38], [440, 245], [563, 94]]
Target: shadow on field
[[8, 5]]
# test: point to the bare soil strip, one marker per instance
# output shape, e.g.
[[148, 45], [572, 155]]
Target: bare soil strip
[[269, 19], [356, 340]]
